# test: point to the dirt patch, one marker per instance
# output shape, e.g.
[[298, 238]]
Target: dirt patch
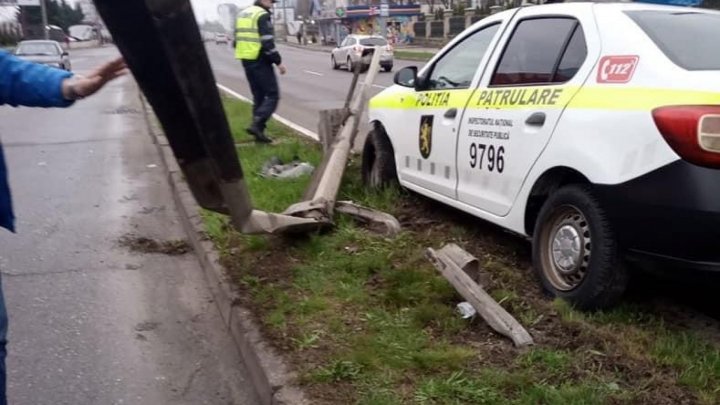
[[146, 326], [142, 244]]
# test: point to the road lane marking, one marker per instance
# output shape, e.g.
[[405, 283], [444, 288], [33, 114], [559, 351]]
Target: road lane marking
[[379, 86], [302, 130], [312, 73]]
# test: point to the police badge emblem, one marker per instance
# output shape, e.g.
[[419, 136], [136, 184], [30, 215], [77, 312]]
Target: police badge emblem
[[425, 136]]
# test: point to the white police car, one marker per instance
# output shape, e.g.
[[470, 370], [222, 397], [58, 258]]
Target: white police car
[[594, 129]]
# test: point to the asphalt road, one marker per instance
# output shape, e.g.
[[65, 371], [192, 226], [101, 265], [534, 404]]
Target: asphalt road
[[90, 321], [309, 86]]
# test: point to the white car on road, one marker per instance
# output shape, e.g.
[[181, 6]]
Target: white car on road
[[592, 129], [47, 52], [352, 52]]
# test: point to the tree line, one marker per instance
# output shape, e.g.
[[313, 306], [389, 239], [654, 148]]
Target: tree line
[[59, 13]]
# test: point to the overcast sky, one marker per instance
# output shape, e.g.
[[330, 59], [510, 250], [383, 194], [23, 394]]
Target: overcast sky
[[207, 9]]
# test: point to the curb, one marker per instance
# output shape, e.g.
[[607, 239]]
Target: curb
[[306, 47], [270, 376]]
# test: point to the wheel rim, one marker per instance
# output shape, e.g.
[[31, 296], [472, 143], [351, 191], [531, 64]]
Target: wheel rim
[[566, 247]]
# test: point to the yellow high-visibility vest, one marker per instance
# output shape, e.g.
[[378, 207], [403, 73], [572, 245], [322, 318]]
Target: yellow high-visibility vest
[[247, 36]]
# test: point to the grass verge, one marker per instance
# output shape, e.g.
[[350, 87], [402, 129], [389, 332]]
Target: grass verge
[[414, 55], [367, 320]]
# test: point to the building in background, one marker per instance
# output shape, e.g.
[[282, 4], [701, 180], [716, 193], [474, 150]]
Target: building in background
[[91, 15], [338, 18], [10, 29]]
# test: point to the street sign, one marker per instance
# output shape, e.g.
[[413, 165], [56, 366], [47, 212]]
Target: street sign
[[384, 10], [28, 2], [373, 10], [340, 12]]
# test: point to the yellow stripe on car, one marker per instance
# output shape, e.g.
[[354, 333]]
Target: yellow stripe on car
[[544, 96]]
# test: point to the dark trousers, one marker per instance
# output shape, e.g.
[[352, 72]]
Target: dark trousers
[[264, 87]]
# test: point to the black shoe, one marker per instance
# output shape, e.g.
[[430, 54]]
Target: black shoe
[[257, 129], [262, 138], [253, 130]]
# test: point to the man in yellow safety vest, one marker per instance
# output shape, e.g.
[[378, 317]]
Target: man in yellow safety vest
[[255, 47]]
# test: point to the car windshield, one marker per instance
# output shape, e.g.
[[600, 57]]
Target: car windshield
[[373, 42], [41, 48], [688, 38]]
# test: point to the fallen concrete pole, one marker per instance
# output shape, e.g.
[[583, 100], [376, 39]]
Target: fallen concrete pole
[[389, 224], [321, 204], [452, 262], [161, 44]]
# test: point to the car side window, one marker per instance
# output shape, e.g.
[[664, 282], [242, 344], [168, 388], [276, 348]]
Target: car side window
[[573, 58], [456, 69], [541, 51]]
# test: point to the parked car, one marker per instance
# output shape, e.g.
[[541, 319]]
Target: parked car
[[350, 52], [45, 52], [221, 39], [591, 129]]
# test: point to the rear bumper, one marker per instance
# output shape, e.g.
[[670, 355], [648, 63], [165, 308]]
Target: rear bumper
[[670, 217], [385, 60]]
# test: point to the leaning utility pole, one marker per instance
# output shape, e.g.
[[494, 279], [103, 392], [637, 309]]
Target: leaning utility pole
[[43, 10]]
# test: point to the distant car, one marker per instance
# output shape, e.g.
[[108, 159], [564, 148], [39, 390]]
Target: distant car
[[350, 52], [221, 39], [46, 52]]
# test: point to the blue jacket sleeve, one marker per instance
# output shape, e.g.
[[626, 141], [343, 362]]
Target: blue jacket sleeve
[[30, 84]]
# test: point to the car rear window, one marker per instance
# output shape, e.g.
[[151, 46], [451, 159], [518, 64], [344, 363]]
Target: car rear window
[[373, 42], [688, 38], [37, 49]]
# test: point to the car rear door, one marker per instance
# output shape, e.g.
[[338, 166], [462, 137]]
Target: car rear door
[[544, 61], [431, 122]]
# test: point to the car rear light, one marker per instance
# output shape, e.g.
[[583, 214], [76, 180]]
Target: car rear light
[[709, 133], [693, 132]]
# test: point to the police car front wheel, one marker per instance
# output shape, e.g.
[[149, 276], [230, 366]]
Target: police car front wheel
[[575, 252], [378, 160]]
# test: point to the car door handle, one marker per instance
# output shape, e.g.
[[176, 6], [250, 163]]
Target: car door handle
[[537, 119], [451, 113]]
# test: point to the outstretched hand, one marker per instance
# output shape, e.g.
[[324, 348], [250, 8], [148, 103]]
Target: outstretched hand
[[83, 86]]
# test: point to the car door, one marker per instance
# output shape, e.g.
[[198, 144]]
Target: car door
[[338, 52], [351, 41], [435, 109], [517, 106]]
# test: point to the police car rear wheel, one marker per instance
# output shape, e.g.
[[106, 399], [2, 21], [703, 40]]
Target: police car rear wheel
[[333, 63], [378, 160], [575, 253]]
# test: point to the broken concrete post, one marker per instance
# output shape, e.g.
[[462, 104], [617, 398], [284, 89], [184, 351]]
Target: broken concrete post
[[329, 124], [389, 224], [449, 261]]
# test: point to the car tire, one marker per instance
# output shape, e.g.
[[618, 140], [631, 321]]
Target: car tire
[[349, 65], [575, 251], [378, 161], [388, 68], [333, 63]]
